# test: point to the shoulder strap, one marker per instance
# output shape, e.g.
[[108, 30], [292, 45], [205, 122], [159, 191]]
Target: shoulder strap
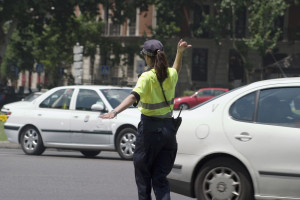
[[166, 99], [163, 93]]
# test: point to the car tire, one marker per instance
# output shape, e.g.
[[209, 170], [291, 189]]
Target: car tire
[[90, 153], [223, 178], [31, 141], [125, 143], [184, 106]]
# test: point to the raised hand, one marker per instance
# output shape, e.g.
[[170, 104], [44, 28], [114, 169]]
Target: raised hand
[[183, 45]]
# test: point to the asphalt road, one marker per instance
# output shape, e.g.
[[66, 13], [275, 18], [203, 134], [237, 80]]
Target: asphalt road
[[66, 175]]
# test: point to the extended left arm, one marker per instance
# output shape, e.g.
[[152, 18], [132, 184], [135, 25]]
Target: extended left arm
[[128, 101]]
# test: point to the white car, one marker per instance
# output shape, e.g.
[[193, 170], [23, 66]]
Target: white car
[[242, 145], [67, 117]]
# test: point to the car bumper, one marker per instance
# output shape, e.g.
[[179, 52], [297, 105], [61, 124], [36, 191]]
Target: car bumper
[[181, 176], [181, 187], [12, 132]]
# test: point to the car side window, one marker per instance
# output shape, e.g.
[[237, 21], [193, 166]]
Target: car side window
[[86, 98], [243, 108], [204, 93], [279, 106], [60, 99], [115, 96], [218, 92]]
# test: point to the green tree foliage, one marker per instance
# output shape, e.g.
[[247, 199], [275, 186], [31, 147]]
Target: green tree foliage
[[34, 31], [262, 28], [263, 34], [222, 23], [40, 32]]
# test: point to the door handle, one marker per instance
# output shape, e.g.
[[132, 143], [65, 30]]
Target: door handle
[[244, 137]]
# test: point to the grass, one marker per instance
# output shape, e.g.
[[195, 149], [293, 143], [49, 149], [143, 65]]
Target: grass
[[2, 134]]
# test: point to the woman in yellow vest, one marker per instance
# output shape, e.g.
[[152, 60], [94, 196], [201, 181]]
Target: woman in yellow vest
[[156, 145]]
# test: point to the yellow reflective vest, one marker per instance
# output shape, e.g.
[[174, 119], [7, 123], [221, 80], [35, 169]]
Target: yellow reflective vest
[[150, 95]]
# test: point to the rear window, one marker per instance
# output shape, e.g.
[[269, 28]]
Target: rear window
[[115, 96]]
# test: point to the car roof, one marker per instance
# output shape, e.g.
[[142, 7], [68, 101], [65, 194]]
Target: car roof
[[270, 83], [276, 81], [94, 86]]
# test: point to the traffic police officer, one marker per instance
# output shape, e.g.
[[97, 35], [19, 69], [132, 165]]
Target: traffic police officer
[[156, 144]]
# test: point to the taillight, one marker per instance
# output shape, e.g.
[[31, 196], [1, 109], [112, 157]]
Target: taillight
[[8, 114]]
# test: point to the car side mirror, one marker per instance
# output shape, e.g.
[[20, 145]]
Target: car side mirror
[[98, 107]]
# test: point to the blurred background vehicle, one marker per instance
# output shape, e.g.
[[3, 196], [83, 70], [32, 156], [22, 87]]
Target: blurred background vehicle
[[198, 97], [2, 97], [8, 95], [67, 117], [34, 95], [241, 145]]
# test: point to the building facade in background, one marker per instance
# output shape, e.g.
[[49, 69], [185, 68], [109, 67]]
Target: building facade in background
[[206, 64]]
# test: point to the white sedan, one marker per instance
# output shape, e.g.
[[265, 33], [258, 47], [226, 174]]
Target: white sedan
[[67, 117], [242, 145]]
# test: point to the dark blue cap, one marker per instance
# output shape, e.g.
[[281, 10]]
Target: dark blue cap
[[151, 46]]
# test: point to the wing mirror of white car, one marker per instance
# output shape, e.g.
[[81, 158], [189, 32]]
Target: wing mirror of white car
[[98, 107]]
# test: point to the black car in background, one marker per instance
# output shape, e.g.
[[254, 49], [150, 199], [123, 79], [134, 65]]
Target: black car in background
[[8, 95]]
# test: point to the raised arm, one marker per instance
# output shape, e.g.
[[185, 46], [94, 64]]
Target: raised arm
[[181, 47]]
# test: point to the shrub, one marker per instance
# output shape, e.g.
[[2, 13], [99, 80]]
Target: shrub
[[188, 92]]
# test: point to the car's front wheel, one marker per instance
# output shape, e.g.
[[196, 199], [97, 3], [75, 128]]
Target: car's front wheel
[[90, 153], [184, 106], [126, 143], [223, 178], [31, 141]]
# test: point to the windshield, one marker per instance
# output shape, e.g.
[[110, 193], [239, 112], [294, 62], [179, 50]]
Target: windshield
[[115, 96]]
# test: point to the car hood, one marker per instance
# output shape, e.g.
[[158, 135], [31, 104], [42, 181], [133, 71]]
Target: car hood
[[182, 98]]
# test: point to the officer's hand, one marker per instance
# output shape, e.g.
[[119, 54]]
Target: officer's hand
[[183, 45], [109, 115]]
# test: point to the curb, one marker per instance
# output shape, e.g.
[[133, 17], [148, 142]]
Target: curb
[[8, 145]]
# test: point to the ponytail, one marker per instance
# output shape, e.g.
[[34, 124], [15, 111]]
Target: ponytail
[[161, 65]]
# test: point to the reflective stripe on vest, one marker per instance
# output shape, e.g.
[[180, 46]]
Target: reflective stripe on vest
[[151, 106]]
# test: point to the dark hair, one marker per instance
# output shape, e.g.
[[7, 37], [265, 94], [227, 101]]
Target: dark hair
[[160, 64]]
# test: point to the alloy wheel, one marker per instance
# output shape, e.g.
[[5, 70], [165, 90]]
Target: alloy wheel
[[127, 144], [221, 183]]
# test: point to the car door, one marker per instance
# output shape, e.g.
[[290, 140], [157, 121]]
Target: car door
[[53, 116], [87, 127], [269, 140]]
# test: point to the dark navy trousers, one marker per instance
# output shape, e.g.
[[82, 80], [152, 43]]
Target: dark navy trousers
[[154, 156]]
